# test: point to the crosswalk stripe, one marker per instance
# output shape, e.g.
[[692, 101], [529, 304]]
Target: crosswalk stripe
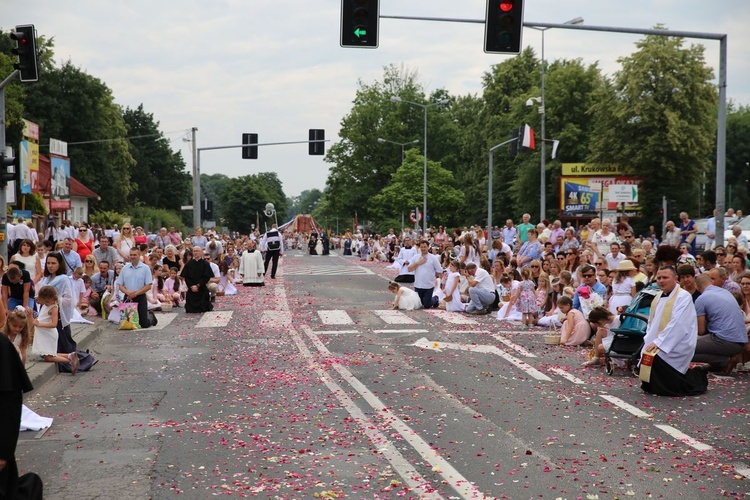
[[323, 270], [393, 317], [214, 319], [451, 317], [335, 317], [164, 319]]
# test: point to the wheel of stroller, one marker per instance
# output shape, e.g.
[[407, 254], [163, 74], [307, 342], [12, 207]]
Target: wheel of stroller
[[635, 369], [609, 365]]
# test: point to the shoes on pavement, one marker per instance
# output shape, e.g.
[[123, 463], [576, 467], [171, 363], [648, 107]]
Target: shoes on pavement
[[477, 312], [595, 361], [731, 364], [73, 359]]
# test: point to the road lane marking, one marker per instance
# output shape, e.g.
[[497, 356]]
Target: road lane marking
[[335, 332], [393, 317], [454, 318], [523, 351], [684, 438], [491, 349], [742, 470], [164, 319], [271, 318], [450, 475], [335, 317], [566, 375], [213, 319], [401, 331], [625, 406]]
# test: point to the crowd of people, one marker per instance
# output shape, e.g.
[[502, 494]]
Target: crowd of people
[[579, 280]]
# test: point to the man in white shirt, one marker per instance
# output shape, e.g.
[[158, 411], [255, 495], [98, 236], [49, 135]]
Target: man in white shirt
[[614, 257], [481, 289], [426, 268]]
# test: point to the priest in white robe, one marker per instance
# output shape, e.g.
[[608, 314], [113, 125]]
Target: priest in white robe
[[252, 268], [672, 334], [405, 256]]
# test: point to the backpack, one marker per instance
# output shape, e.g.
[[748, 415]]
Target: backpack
[[275, 243]]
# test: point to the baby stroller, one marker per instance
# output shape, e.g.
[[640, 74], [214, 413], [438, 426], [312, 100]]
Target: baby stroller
[[628, 338]]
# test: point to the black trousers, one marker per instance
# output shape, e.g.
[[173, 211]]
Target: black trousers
[[272, 255], [143, 318]]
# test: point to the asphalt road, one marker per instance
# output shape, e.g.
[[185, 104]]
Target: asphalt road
[[311, 387]]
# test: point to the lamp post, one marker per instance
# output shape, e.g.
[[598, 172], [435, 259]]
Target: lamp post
[[402, 144], [542, 103], [396, 98]]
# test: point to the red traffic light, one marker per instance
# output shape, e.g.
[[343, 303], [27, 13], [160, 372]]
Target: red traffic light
[[506, 5]]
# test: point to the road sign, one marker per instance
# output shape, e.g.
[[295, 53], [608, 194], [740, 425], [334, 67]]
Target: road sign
[[623, 193], [186, 207]]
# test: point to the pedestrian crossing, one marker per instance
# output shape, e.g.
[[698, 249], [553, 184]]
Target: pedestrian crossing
[[339, 317], [324, 270]]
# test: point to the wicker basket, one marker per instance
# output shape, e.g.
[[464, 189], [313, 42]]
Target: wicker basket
[[551, 339], [166, 307]]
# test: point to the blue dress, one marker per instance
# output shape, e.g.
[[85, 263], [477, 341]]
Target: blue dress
[[347, 247], [688, 227]]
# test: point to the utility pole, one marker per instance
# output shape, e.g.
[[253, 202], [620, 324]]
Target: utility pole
[[196, 182]]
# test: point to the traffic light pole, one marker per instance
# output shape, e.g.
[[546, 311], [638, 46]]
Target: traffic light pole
[[721, 132], [489, 182], [3, 198]]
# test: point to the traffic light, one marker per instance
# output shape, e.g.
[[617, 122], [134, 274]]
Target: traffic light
[[250, 152], [503, 26], [207, 209], [515, 134], [7, 167], [25, 49], [317, 148], [359, 23]]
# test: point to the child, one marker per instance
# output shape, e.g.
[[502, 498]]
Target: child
[[152, 293], [172, 287], [17, 330], [623, 289], [406, 298], [527, 299], [543, 300], [575, 329], [45, 335], [84, 306], [452, 299], [79, 288], [601, 319]]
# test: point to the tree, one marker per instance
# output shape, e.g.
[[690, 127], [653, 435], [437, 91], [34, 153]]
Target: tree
[[402, 193], [244, 197], [657, 121], [160, 179]]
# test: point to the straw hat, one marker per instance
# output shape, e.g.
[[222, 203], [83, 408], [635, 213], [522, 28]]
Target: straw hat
[[625, 265]]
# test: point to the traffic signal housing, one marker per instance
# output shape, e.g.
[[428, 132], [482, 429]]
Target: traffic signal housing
[[316, 148], [7, 167], [503, 27], [250, 152], [25, 49], [515, 134], [359, 23]]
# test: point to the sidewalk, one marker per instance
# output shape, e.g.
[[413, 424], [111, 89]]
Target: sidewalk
[[41, 372]]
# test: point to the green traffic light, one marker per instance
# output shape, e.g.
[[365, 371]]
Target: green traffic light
[[360, 32]]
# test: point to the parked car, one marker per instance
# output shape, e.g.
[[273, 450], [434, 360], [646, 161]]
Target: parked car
[[744, 223], [700, 236]]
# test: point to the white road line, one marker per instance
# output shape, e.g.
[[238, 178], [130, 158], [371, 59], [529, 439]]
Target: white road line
[[164, 319], [335, 317], [450, 475], [454, 318], [567, 375], [400, 331], [625, 406], [335, 332], [214, 319], [272, 318], [684, 438], [520, 349], [393, 317], [742, 470]]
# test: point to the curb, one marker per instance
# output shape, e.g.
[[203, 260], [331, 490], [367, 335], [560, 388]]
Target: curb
[[40, 372]]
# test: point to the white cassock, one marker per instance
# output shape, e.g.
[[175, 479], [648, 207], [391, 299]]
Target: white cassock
[[678, 339], [404, 255], [251, 267]]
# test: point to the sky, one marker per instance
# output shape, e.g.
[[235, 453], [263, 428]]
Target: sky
[[275, 67]]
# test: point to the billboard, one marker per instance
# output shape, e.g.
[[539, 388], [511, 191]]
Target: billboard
[[60, 183], [29, 167], [588, 197]]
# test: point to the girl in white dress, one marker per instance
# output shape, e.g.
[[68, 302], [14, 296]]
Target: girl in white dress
[[406, 298], [45, 332], [623, 290], [16, 328], [452, 290]]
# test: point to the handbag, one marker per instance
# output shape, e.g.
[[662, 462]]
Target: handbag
[[690, 238], [129, 316]]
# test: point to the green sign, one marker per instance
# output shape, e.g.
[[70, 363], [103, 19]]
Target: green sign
[[359, 32]]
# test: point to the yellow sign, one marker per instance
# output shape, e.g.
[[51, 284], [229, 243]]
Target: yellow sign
[[2, 236], [590, 169]]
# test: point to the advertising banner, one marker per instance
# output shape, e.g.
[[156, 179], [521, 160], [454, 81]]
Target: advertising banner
[[582, 197], [29, 167], [60, 183]]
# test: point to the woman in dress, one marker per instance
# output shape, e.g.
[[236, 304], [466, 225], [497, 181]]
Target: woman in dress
[[348, 243], [84, 245], [125, 242], [56, 275], [406, 298], [623, 289], [140, 237], [251, 266], [31, 262], [469, 251]]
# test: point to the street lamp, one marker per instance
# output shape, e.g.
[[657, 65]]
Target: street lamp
[[542, 102], [396, 98], [402, 144]]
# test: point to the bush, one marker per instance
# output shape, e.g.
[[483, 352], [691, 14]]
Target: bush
[[155, 218]]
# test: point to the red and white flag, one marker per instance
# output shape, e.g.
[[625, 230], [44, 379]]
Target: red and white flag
[[528, 137]]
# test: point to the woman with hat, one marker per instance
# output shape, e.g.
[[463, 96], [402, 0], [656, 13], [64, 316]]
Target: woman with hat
[[623, 289]]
